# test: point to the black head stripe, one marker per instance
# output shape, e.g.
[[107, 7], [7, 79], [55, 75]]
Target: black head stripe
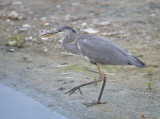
[[68, 27]]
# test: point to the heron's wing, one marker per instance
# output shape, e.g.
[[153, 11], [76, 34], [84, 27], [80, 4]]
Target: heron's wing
[[99, 38], [101, 50]]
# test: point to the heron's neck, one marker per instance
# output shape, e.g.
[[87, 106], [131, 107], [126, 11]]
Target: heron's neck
[[70, 47]]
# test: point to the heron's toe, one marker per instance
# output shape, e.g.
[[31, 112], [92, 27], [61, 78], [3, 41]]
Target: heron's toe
[[94, 103]]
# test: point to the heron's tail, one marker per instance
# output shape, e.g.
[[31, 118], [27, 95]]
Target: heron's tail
[[135, 61]]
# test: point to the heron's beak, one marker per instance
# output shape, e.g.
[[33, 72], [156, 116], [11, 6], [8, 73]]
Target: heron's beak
[[49, 33]]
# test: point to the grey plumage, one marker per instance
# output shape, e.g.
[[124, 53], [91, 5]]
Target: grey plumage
[[98, 49]]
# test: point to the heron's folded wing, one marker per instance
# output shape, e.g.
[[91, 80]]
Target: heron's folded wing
[[99, 49]]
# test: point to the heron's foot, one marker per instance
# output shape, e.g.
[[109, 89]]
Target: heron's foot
[[94, 103], [70, 92]]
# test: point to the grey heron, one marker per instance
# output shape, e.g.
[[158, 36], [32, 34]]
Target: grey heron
[[98, 50]]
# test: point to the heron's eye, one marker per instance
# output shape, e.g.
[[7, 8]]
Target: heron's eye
[[67, 36], [73, 31]]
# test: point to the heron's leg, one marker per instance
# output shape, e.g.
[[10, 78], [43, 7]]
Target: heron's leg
[[78, 87], [103, 85], [100, 95]]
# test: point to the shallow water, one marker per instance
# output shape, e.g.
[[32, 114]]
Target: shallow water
[[15, 105]]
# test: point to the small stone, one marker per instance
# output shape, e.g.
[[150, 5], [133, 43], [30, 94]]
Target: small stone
[[75, 4], [31, 12], [46, 24], [44, 38], [67, 17], [20, 17], [61, 88], [45, 49], [15, 31], [105, 23], [22, 29], [90, 31], [43, 19], [153, 15], [26, 26], [13, 15], [12, 23], [148, 37], [58, 6], [8, 20], [11, 50], [143, 116], [30, 38], [84, 24], [110, 34], [12, 43], [158, 42]]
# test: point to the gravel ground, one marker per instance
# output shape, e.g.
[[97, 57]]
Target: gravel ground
[[38, 67]]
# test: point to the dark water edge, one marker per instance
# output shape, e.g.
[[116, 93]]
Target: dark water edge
[[16, 105]]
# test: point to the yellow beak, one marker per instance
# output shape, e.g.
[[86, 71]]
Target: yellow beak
[[49, 33]]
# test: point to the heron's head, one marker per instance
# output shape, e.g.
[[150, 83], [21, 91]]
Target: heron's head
[[64, 29]]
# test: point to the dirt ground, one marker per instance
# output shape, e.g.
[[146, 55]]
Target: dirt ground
[[39, 67]]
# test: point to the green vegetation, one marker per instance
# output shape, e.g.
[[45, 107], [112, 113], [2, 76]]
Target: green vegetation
[[95, 78], [149, 72], [17, 40], [149, 84]]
